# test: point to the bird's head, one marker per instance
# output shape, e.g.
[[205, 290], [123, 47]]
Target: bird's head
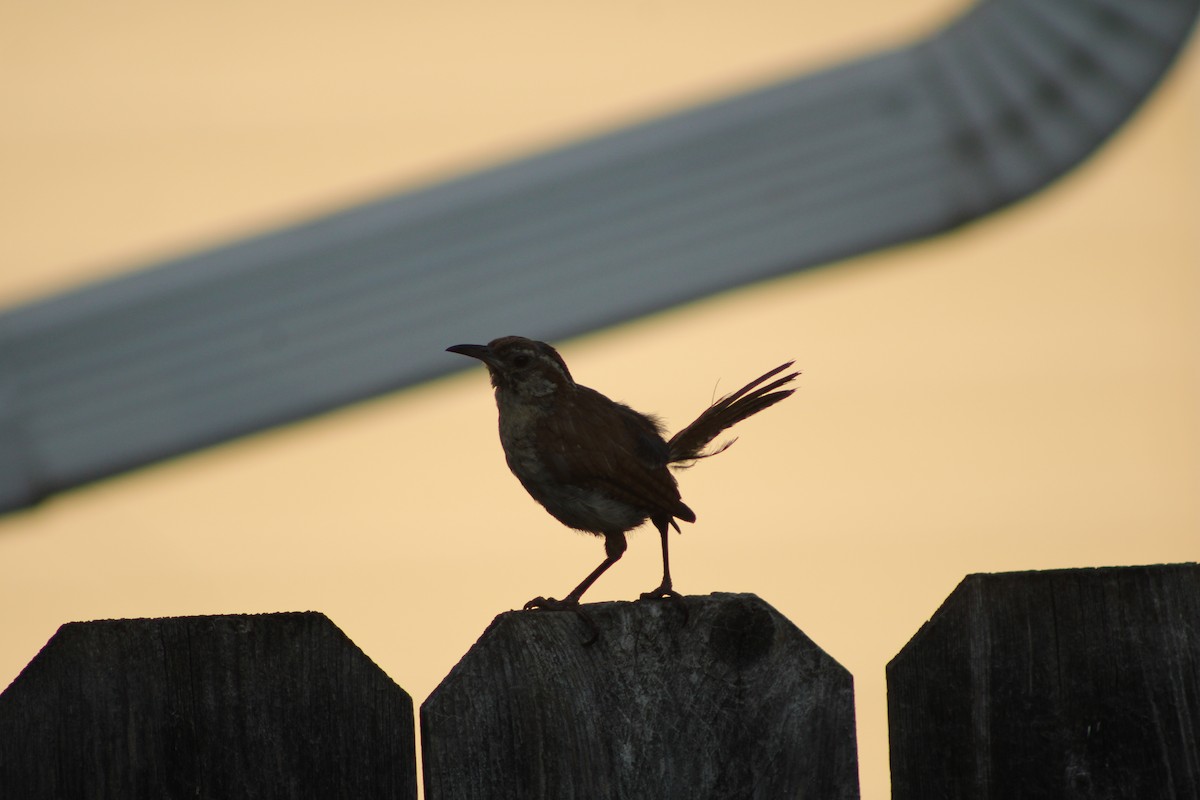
[[523, 367]]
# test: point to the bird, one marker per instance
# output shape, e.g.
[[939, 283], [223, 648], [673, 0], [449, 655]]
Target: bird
[[595, 464]]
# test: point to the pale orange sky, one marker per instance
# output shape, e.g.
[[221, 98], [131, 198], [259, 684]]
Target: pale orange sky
[[1021, 394]]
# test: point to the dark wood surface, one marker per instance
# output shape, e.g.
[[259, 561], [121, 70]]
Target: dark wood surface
[[1080, 683], [270, 705], [733, 702], [1063, 684]]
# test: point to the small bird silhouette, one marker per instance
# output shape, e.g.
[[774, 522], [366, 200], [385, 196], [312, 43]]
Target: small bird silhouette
[[597, 465]]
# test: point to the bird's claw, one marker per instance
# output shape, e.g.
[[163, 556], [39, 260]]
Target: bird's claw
[[663, 593], [550, 604]]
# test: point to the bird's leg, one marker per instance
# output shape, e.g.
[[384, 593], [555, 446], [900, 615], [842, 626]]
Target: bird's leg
[[664, 590], [614, 548]]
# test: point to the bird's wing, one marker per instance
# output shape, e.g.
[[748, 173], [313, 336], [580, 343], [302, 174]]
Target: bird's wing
[[627, 460]]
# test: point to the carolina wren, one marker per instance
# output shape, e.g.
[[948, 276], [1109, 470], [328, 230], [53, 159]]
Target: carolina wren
[[597, 465]]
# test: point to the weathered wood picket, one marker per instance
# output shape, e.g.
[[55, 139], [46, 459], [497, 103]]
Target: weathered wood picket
[[1069, 683], [268, 705], [1081, 683], [722, 697]]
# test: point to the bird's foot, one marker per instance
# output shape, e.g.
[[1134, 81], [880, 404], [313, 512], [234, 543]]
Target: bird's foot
[[567, 604], [550, 604], [661, 594], [667, 593]]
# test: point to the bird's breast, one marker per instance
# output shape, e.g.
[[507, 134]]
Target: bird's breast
[[541, 462]]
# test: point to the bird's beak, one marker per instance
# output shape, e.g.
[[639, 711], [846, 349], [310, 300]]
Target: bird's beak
[[480, 351]]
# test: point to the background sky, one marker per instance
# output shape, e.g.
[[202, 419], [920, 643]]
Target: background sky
[[1021, 394]]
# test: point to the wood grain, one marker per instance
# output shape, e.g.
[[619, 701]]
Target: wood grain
[[734, 701], [1081, 683], [267, 705]]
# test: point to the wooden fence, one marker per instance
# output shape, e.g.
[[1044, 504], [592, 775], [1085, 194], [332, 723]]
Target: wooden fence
[[1061, 684]]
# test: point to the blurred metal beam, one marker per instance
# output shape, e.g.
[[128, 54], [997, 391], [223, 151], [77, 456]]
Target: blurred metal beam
[[897, 146]]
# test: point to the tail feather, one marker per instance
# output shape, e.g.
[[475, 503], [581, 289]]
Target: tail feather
[[689, 443]]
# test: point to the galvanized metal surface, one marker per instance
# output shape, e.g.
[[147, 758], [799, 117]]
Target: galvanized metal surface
[[887, 149]]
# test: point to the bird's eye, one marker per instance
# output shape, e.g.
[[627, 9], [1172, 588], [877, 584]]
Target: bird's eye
[[521, 361]]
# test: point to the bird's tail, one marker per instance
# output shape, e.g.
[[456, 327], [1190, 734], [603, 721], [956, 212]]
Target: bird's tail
[[689, 443]]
